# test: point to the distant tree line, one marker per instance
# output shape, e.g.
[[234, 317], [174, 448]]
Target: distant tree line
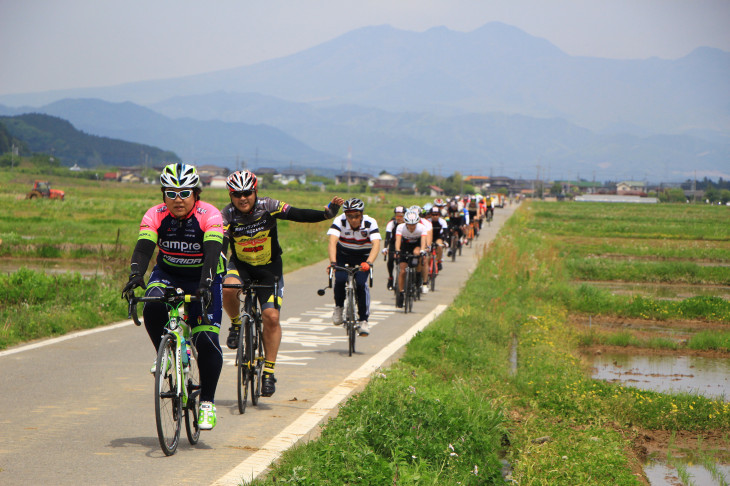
[[43, 134], [704, 184]]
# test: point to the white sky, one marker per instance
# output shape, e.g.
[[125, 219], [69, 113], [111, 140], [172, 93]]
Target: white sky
[[58, 44]]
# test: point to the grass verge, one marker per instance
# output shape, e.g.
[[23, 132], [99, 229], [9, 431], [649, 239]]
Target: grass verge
[[550, 420]]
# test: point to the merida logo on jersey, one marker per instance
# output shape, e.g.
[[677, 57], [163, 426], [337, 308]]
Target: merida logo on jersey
[[182, 260], [180, 246]]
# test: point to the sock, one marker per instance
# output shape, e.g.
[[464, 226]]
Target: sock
[[236, 321], [269, 367]]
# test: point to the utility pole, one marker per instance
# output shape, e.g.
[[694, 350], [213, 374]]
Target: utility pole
[[349, 167]]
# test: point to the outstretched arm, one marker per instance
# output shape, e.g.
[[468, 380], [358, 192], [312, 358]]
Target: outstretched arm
[[313, 215]]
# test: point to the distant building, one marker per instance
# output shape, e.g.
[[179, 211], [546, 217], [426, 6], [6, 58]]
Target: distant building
[[616, 198], [350, 177], [385, 182], [435, 191], [631, 188], [211, 170], [287, 176], [409, 187], [218, 182]]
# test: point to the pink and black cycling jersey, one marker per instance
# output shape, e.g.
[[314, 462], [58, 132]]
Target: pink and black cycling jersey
[[180, 242]]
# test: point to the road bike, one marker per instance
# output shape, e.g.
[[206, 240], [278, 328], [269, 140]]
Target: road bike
[[454, 242], [250, 350], [350, 310], [177, 378], [469, 233], [433, 269], [411, 287]]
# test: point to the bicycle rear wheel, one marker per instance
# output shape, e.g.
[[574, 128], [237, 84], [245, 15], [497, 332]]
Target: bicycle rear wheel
[[193, 406], [243, 360], [168, 405]]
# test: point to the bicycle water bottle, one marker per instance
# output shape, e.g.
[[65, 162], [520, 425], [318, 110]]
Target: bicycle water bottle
[[186, 353]]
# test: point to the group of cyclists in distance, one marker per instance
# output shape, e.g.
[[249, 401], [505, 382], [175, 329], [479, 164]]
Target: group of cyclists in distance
[[201, 247]]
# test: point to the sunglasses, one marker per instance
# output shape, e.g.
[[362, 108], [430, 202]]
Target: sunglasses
[[184, 194], [241, 193]]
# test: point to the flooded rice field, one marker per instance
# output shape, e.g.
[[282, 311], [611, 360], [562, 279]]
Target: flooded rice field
[[664, 291], [672, 457], [660, 473], [668, 374]]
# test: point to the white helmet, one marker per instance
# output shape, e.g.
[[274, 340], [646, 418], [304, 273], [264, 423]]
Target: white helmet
[[181, 176], [411, 217], [353, 204], [243, 180]]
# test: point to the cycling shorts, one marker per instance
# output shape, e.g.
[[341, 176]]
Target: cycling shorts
[[261, 274]]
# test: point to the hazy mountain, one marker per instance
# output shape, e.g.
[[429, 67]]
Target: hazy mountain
[[494, 100], [486, 144], [213, 141], [494, 68]]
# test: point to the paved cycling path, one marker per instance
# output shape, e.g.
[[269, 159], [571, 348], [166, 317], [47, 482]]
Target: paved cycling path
[[79, 409]]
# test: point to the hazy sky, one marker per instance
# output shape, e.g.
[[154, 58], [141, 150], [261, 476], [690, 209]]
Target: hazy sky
[[55, 44]]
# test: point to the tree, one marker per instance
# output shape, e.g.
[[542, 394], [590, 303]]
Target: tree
[[556, 189]]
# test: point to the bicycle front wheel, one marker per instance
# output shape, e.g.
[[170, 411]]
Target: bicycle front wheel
[[168, 405], [351, 322], [408, 295], [257, 361], [243, 358], [193, 405]]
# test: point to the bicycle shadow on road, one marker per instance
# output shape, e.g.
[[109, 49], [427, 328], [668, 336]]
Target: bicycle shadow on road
[[152, 443]]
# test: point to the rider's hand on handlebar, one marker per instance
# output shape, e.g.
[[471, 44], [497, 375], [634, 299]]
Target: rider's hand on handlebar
[[206, 296], [364, 267], [424, 253], [135, 280]]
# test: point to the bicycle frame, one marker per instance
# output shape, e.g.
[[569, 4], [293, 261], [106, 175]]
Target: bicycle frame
[[350, 300], [249, 356], [178, 329]]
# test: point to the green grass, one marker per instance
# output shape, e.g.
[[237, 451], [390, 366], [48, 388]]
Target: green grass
[[714, 340], [638, 271], [559, 425], [36, 305]]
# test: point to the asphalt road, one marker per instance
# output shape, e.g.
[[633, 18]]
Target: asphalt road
[[79, 409]]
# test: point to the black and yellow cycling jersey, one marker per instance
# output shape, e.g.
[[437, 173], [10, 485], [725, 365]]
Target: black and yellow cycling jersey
[[254, 238]]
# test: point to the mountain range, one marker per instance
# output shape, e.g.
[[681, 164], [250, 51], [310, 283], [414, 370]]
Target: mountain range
[[492, 101]]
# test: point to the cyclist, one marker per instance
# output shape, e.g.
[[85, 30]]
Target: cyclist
[[389, 244], [456, 222], [354, 239], [189, 234], [440, 233], [250, 228], [473, 210], [441, 204], [410, 240], [490, 208]]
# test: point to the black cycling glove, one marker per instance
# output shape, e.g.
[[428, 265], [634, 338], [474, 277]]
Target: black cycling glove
[[206, 296]]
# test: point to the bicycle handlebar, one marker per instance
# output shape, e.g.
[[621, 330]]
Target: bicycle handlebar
[[348, 269], [172, 296], [249, 285]]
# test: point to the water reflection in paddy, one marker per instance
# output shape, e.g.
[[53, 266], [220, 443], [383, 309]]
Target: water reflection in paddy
[[689, 374]]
